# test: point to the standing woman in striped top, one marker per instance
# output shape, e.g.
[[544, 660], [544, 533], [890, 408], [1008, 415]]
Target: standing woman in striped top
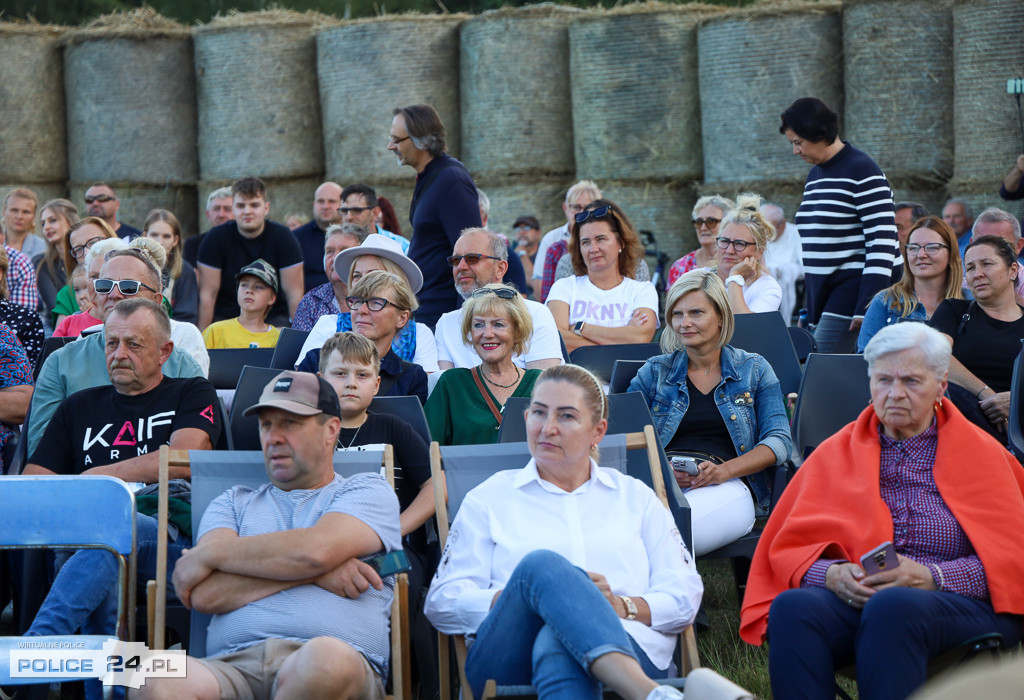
[[846, 219]]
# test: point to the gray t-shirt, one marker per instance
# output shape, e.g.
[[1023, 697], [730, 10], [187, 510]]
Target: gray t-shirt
[[308, 611]]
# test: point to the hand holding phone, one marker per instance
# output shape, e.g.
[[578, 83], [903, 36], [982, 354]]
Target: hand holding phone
[[395, 562], [686, 465], [881, 558]]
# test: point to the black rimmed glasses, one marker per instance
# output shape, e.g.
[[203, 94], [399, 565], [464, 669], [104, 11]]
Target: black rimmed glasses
[[128, 288], [737, 245], [79, 250], [930, 248], [471, 259], [373, 303], [392, 141], [500, 292], [599, 213]]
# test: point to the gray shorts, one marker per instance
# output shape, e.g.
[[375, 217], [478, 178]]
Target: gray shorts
[[251, 674]]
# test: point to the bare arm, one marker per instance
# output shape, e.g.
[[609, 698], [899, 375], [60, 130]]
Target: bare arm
[[209, 285], [445, 364], [292, 284], [14, 403], [1012, 180], [640, 329], [421, 508], [758, 459], [560, 312], [544, 364]]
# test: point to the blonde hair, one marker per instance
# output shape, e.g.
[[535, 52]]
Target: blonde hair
[[593, 393], [747, 212], [374, 283], [492, 305], [174, 258], [713, 288], [386, 264]]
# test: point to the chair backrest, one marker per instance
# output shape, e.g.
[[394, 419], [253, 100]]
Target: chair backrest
[[833, 393], [600, 359], [226, 364], [768, 336], [803, 342], [408, 408], [623, 372], [1014, 427], [286, 352], [50, 345], [213, 473], [245, 431]]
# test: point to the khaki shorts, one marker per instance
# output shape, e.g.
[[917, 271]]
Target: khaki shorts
[[251, 674]]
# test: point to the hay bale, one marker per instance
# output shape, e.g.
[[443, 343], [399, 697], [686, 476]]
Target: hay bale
[[786, 193], [981, 195], [515, 92], [635, 98], [366, 68], [987, 50], [131, 100], [902, 117], [137, 200], [518, 196], [753, 63], [663, 208], [932, 197], [32, 131], [258, 103]]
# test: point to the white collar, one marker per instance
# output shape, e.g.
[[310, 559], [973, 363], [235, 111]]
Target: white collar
[[529, 474]]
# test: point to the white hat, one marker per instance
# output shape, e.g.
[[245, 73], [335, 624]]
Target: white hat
[[382, 247]]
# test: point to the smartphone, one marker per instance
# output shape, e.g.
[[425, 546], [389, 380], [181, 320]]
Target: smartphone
[[391, 563], [685, 464], [881, 558]]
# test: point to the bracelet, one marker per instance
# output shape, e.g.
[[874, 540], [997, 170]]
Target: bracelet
[[978, 395], [630, 607], [941, 583], [738, 279]]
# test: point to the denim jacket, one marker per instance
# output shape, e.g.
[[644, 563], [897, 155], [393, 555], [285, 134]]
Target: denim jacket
[[748, 397], [881, 313]]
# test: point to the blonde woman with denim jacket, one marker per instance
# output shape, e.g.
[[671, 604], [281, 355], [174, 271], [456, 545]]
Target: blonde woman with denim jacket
[[706, 396]]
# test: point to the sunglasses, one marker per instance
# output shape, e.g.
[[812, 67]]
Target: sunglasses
[[353, 210], [500, 292], [471, 259], [599, 213], [103, 198], [710, 222], [79, 250], [129, 288], [373, 303]]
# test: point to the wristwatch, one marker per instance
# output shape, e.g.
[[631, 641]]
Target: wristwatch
[[630, 607], [738, 279], [578, 328]]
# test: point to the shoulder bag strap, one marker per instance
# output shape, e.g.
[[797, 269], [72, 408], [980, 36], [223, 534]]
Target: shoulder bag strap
[[483, 392], [964, 320]]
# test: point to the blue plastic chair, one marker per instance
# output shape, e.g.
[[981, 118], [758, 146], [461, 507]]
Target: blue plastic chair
[[71, 512]]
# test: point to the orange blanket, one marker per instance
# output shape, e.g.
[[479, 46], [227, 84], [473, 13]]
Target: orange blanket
[[833, 508]]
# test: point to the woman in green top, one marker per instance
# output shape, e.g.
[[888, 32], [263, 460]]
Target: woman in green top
[[465, 406], [81, 236]]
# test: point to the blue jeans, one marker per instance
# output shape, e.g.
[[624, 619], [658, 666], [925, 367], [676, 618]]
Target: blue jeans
[[811, 632], [549, 624], [84, 593]]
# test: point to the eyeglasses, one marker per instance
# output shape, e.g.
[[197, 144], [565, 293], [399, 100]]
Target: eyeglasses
[[599, 213], [500, 292], [103, 198], [79, 250], [127, 287], [930, 248], [353, 210], [575, 208], [471, 259], [373, 303], [523, 227], [392, 141], [710, 222], [738, 245]]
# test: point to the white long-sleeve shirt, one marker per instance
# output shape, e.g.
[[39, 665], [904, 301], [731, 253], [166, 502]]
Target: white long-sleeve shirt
[[613, 525]]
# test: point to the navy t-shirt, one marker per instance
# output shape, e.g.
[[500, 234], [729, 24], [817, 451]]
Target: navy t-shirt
[[311, 240], [227, 250]]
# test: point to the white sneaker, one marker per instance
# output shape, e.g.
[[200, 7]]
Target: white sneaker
[[665, 692]]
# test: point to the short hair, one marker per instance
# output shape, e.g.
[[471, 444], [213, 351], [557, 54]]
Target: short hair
[[369, 194], [995, 215], [483, 201], [514, 309], [375, 283], [581, 187], [425, 128], [917, 210], [174, 256], [770, 208], [812, 120], [912, 335], [902, 295], [101, 184], [1002, 247], [22, 193], [127, 307], [747, 212], [347, 229], [219, 193], [623, 227], [713, 200], [147, 251], [5, 265], [499, 248], [249, 187], [711, 285], [968, 210], [351, 345], [70, 262], [593, 393]]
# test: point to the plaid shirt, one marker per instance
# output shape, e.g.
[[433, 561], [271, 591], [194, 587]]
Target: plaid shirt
[[924, 529], [555, 252], [21, 280], [318, 301]]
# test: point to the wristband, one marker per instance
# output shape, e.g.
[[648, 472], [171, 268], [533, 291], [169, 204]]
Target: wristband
[[978, 395], [738, 279]]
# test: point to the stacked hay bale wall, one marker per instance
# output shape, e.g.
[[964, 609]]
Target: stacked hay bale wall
[[33, 150], [131, 112], [515, 92], [365, 69], [902, 118], [512, 197], [662, 208], [987, 50]]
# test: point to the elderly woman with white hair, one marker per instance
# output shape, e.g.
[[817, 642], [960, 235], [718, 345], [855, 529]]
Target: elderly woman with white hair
[[897, 540]]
